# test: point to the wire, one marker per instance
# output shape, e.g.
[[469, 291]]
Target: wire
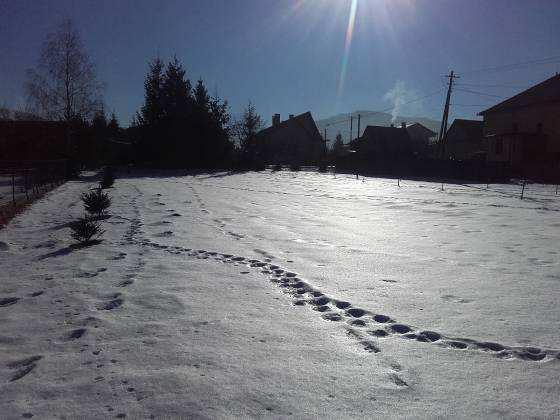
[[514, 66], [479, 105], [490, 86], [479, 93], [387, 109]]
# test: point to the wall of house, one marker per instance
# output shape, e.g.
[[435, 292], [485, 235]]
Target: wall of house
[[505, 148], [293, 144], [500, 126], [460, 146], [420, 135]]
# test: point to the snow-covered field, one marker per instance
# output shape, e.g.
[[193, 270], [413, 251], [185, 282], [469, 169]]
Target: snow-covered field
[[284, 294]]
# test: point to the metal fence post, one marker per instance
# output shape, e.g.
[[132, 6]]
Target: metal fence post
[[25, 185], [14, 188]]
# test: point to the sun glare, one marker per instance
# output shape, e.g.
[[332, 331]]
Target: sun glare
[[347, 45]]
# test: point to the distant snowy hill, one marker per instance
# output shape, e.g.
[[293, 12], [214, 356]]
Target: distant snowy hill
[[368, 118]]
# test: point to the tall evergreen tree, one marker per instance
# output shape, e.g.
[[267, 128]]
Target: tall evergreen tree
[[180, 126], [152, 110], [201, 98], [176, 92], [113, 126]]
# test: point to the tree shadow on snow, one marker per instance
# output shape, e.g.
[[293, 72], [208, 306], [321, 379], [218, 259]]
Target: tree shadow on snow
[[68, 250]]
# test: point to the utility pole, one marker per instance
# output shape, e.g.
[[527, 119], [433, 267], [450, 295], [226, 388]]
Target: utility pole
[[359, 121], [443, 129], [351, 126], [325, 141]]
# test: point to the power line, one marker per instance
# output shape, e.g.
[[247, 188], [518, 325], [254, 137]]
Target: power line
[[474, 105], [514, 66], [347, 119], [490, 86], [479, 93]]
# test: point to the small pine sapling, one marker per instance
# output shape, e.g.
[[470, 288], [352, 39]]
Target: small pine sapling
[[96, 202], [85, 230]]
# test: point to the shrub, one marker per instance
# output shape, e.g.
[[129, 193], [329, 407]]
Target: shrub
[[108, 178], [259, 166], [85, 230], [96, 202]]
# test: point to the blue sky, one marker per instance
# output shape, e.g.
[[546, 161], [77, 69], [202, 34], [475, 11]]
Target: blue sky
[[287, 56]]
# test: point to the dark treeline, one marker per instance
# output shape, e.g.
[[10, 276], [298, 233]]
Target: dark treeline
[[181, 126]]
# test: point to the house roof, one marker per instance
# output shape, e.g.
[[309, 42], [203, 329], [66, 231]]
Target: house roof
[[545, 92], [471, 128], [421, 126], [380, 133], [303, 121]]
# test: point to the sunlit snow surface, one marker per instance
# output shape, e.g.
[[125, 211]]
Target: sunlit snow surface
[[276, 294]]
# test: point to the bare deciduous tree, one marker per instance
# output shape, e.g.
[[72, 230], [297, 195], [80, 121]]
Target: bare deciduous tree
[[64, 84], [5, 113]]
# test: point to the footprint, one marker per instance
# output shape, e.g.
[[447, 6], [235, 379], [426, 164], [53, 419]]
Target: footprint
[[320, 301], [165, 234], [75, 334], [8, 301], [88, 275], [341, 304], [530, 354], [397, 380], [112, 304], [369, 346], [23, 362], [491, 346], [457, 344], [430, 335], [356, 312], [22, 372], [331, 316], [378, 333], [401, 328], [24, 367], [382, 319], [125, 283], [298, 288]]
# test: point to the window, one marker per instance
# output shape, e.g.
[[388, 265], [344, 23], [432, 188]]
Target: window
[[499, 146]]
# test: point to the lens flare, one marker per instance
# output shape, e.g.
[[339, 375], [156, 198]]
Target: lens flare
[[347, 46]]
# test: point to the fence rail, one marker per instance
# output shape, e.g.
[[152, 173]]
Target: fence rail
[[21, 182]]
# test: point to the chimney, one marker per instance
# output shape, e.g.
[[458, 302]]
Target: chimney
[[276, 120], [291, 116], [403, 124]]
